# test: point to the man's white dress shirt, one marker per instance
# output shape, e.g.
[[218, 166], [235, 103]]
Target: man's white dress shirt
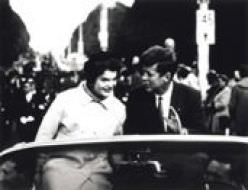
[[166, 101]]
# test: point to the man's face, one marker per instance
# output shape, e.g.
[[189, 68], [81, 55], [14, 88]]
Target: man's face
[[152, 80], [18, 67], [29, 86], [104, 84]]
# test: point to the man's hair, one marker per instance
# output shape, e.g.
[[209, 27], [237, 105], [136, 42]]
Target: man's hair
[[164, 57], [224, 78], [98, 63], [212, 77]]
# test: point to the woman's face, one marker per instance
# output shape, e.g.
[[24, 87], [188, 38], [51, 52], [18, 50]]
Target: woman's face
[[104, 84]]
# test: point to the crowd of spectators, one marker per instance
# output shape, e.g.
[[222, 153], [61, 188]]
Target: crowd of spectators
[[27, 90]]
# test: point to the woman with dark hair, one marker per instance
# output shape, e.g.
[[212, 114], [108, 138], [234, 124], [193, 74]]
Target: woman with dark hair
[[88, 111]]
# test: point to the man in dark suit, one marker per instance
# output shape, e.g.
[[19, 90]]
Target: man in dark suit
[[162, 106], [181, 105], [31, 108]]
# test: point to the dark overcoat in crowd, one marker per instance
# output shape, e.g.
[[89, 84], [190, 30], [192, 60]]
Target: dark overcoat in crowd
[[30, 114], [238, 107]]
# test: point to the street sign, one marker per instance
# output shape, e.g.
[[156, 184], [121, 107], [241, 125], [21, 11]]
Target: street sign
[[205, 26]]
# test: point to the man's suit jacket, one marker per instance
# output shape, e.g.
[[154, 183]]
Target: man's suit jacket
[[143, 116]]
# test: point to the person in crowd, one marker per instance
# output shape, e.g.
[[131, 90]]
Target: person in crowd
[[234, 79], [68, 80], [161, 105], [31, 108], [216, 103], [15, 77], [220, 124], [214, 88], [239, 104], [182, 73], [186, 76], [14, 81], [28, 69], [89, 110], [2, 88]]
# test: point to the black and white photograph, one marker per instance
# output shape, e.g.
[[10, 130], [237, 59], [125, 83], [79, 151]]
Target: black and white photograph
[[123, 95]]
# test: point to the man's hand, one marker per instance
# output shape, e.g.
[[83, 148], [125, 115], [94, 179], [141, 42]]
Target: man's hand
[[184, 131], [173, 125]]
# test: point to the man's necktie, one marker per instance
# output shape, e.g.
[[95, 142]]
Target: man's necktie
[[161, 112]]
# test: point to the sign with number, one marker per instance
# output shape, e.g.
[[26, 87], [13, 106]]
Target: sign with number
[[205, 26]]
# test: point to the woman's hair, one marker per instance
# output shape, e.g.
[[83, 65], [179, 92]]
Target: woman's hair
[[97, 64]]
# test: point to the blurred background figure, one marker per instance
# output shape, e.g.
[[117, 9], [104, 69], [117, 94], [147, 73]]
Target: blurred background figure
[[221, 118], [31, 109], [211, 92], [186, 76], [239, 104], [235, 78], [170, 44], [217, 101]]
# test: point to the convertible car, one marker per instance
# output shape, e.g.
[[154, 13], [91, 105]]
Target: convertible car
[[148, 162]]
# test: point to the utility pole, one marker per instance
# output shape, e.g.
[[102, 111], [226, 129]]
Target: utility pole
[[205, 36]]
